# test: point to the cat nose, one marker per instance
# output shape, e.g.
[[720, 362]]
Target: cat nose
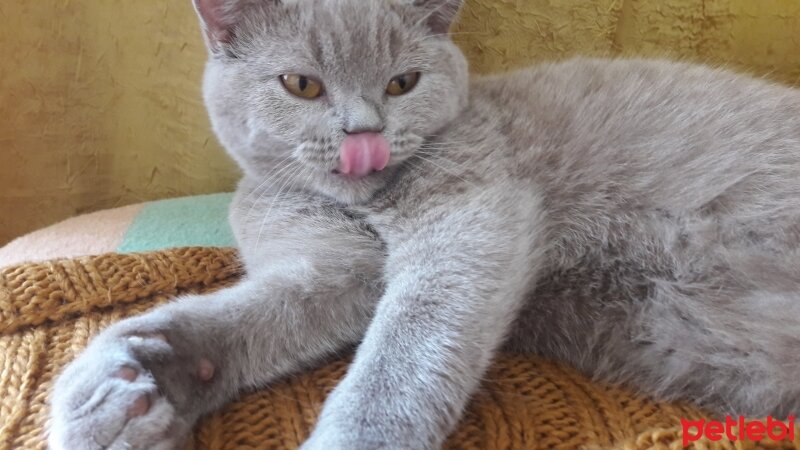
[[360, 115]]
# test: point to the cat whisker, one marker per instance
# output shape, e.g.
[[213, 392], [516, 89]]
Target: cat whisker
[[297, 169], [449, 172], [263, 186], [440, 150], [267, 177], [442, 156], [289, 176], [449, 145], [432, 139], [452, 169], [309, 177], [288, 170], [275, 177]]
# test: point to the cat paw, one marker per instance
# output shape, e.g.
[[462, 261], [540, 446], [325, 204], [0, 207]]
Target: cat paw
[[126, 392]]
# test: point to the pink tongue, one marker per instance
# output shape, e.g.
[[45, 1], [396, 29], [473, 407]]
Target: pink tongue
[[363, 153]]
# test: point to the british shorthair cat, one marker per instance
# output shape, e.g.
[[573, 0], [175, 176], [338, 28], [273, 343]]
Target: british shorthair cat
[[639, 220]]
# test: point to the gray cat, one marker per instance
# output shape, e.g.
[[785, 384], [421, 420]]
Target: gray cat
[[639, 220]]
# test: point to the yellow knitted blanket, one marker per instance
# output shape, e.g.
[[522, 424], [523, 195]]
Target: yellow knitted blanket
[[49, 311]]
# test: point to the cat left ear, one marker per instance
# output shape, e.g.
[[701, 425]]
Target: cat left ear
[[439, 14]]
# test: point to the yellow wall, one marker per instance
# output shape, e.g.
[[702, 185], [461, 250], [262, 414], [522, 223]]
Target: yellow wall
[[100, 101]]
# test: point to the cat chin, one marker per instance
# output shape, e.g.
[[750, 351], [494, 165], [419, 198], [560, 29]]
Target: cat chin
[[351, 190]]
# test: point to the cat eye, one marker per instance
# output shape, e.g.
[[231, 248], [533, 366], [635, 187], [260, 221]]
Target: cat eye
[[402, 84], [302, 86]]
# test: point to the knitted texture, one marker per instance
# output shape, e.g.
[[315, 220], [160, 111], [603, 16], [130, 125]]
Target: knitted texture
[[49, 311]]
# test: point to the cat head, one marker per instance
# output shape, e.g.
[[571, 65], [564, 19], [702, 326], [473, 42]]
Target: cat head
[[330, 95]]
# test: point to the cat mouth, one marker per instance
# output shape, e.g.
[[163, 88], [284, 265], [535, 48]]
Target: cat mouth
[[363, 154]]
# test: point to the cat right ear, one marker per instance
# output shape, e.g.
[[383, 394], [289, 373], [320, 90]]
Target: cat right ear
[[219, 19], [216, 21]]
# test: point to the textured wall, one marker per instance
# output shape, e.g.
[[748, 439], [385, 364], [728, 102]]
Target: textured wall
[[100, 106], [100, 100], [759, 36]]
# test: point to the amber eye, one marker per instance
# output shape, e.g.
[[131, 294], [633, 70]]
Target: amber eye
[[302, 86], [402, 84]]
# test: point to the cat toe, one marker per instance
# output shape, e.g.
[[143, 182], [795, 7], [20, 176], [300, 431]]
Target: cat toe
[[127, 373], [129, 415], [139, 407], [205, 370]]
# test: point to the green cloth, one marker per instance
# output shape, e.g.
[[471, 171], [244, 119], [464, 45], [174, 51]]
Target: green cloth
[[199, 221]]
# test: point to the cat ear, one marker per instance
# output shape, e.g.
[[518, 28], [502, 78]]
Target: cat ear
[[439, 14], [219, 19]]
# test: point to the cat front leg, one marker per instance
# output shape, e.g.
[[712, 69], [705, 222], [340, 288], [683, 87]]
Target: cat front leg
[[454, 286], [142, 383]]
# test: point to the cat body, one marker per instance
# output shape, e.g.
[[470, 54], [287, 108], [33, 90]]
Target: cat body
[[637, 219]]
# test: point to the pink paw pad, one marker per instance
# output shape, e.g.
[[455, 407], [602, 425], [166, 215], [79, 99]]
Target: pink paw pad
[[205, 370], [127, 373], [139, 407]]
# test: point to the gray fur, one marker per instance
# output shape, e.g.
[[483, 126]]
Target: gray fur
[[639, 220]]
